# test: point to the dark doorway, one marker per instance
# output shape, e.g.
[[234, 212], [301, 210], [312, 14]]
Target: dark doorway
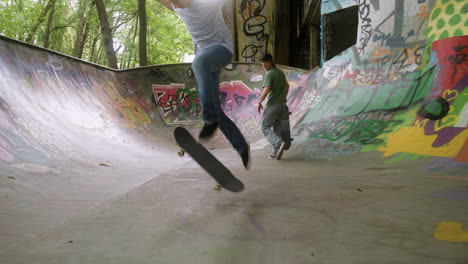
[[339, 31]]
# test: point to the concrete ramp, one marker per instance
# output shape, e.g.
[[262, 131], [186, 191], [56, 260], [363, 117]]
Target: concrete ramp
[[89, 171]]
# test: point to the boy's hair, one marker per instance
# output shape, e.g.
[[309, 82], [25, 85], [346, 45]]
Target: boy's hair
[[268, 58]]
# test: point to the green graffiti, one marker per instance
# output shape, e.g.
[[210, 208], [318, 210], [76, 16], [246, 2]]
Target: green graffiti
[[444, 34], [436, 13], [455, 20], [345, 102], [458, 33], [440, 23], [405, 156], [364, 132], [187, 105], [450, 9]]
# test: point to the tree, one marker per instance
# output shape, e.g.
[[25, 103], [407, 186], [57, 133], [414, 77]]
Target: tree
[[143, 31], [49, 24], [108, 42], [39, 21], [73, 27], [82, 30]]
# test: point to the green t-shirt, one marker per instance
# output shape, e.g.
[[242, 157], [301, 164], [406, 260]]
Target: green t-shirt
[[275, 79]]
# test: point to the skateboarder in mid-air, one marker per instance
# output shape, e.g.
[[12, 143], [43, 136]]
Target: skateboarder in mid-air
[[276, 114], [213, 50]]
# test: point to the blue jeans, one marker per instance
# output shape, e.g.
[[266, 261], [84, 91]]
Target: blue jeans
[[207, 67]]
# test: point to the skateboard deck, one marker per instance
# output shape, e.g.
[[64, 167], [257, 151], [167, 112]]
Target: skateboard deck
[[207, 161]]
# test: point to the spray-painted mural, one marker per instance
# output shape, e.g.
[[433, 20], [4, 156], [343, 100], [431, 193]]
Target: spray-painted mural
[[396, 90], [178, 103], [255, 30]]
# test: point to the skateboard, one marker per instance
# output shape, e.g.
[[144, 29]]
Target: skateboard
[[207, 161]]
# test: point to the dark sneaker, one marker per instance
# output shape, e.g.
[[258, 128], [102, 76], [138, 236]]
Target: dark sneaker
[[280, 151], [207, 132], [245, 155]]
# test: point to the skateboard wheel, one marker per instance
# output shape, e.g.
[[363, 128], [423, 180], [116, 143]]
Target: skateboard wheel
[[217, 188], [181, 153]]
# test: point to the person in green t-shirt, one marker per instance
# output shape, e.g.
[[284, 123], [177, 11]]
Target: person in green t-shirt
[[275, 123]]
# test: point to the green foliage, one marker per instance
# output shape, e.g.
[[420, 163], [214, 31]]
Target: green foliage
[[168, 40]]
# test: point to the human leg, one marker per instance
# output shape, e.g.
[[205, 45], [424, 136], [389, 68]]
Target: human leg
[[207, 68], [271, 119], [232, 132], [204, 66]]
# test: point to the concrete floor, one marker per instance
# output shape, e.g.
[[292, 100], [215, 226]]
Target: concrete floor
[[353, 209]]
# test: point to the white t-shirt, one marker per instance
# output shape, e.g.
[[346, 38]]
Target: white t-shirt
[[205, 22]]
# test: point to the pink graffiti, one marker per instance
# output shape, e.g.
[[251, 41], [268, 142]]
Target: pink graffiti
[[239, 101], [177, 104]]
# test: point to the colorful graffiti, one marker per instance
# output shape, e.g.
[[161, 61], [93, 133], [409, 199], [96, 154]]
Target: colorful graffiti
[[178, 104], [448, 19], [447, 136], [380, 93], [128, 110]]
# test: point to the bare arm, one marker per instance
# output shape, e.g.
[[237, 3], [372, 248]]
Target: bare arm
[[266, 91]]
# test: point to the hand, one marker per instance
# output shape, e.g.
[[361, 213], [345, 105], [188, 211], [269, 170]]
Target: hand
[[260, 107]]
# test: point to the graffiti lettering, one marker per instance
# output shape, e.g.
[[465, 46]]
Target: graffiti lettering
[[254, 25], [366, 27]]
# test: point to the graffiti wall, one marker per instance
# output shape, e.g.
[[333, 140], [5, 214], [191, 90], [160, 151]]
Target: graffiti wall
[[401, 89], [178, 103], [255, 29]]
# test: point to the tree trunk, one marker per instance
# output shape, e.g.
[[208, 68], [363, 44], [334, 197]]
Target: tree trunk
[[133, 57], [39, 21], [93, 49], [128, 49], [107, 35], [49, 24], [82, 30], [143, 57]]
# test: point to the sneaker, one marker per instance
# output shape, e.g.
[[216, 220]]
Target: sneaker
[[275, 150], [245, 155], [280, 151], [207, 131]]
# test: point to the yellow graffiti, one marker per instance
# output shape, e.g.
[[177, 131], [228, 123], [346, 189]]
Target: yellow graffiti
[[451, 231], [450, 95], [446, 20], [413, 140], [448, 121], [421, 123], [131, 110]]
